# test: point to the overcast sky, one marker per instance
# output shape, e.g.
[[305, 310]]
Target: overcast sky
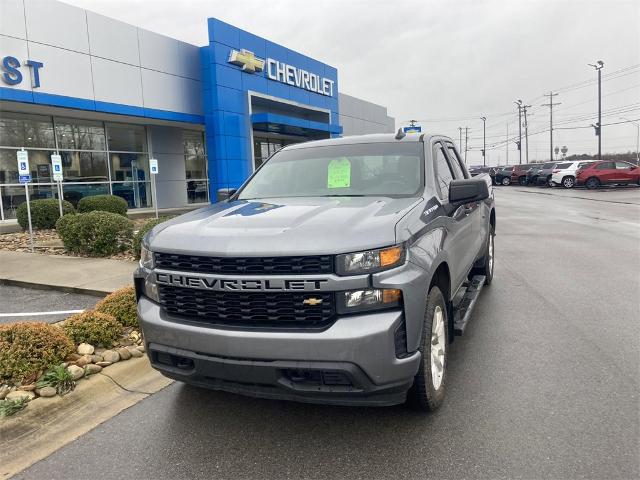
[[447, 63]]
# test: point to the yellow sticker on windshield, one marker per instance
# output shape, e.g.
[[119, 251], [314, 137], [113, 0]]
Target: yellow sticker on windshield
[[339, 173]]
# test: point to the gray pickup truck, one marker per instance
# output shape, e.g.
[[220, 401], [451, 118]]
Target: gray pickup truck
[[338, 273]]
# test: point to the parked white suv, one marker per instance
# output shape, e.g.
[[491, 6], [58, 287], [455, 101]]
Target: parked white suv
[[567, 176]]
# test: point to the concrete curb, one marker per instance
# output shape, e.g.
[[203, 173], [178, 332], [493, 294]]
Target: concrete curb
[[58, 288], [48, 424]]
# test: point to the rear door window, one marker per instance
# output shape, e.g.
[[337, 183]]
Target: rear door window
[[605, 166], [623, 166], [562, 166]]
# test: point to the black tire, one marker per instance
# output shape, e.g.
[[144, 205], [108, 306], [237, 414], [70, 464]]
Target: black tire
[[423, 395], [506, 181], [592, 183], [485, 265], [549, 182], [568, 182], [523, 181]]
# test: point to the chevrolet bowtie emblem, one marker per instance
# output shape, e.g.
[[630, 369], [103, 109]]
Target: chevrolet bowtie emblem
[[312, 301], [247, 60]]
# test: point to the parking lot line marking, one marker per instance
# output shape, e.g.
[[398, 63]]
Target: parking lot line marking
[[31, 314]]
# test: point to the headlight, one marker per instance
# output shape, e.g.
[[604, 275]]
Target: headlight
[[370, 261], [370, 299], [146, 258]]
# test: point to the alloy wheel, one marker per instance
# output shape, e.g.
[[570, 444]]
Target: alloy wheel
[[437, 347]]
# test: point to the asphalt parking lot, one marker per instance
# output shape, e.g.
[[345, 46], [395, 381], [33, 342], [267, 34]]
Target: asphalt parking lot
[[19, 304], [544, 384]]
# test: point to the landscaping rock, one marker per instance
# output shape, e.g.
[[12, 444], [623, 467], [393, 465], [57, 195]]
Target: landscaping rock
[[99, 350], [103, 364], [93, 369], [134, 352], [18, 394], [46, 392], [72, 357], [82, 361], [96, 358], [4, 391], [124, 353], [110, 356], [85, 349], [141, 348], [27, 388], [76, 371]]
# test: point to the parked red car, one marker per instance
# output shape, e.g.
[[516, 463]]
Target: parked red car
[[608, 173]]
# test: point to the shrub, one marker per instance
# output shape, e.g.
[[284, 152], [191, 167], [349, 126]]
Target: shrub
[[146, 227], [44, 213], [95, 233], [103, 203], [121, 305], [26, 348], [98, 329]]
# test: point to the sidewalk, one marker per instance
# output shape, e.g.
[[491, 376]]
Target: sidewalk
[[96, 276]]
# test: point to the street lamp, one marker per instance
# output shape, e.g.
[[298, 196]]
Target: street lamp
[[484, 140], [599, 65], [519, 104], [637, 137]]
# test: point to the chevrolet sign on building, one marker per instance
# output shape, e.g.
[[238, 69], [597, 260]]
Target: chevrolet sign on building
[[282, 72]]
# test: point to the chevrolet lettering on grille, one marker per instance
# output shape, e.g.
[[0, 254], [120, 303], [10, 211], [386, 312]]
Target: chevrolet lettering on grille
[[245, 284]]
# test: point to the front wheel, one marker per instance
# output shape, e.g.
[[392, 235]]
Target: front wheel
[[592, 183], [568, 182], [506, 181], [523, 181], [428, 390]]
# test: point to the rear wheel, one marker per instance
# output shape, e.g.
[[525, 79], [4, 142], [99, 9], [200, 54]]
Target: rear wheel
[[484, 266], [522, 181], [568, 182], [428, 390], [506, 181], [549, 182], [592, 183]]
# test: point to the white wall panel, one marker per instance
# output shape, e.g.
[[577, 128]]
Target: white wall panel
[[109, 38], [64, 72], [165, 54], [12, 18], [167, 147], [17, 48], [116, 82], [56, 23], [168, 92]]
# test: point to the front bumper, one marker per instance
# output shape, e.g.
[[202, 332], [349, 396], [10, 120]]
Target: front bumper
[[357, 350]]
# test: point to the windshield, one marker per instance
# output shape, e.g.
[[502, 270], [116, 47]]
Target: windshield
[[368, 169]]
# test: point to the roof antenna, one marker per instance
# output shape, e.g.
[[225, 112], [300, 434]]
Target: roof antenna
[[400, 135]]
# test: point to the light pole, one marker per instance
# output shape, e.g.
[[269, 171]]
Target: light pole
[[460, 144], [637, 137], [519, 104], [599, 65], [484, 141]]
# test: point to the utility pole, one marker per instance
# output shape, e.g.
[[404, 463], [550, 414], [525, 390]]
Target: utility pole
[[519, 142], [466, 143], [460, 130], [526, 132], [484, 141], [637, 138], [550, 105], [507, 144], [599, 65]]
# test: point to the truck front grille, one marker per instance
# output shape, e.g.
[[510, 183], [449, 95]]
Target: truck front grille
[[249, 309], [246, 265]]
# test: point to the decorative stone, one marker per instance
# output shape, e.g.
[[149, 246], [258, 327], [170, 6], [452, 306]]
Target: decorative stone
[[99, 350], [18, 394], [134, 352], [96, 358], [103, 364], [93, 368], [124, 353], [4, 391], [76, 371], [27, 388], [110, 356], [85, 349], [72, 357], [82, 361], [141, 348], [46, 392]]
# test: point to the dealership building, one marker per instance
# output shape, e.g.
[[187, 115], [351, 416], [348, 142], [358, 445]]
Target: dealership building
[[108, 96]]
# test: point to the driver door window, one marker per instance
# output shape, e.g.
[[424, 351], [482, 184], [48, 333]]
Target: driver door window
[[444, 172]]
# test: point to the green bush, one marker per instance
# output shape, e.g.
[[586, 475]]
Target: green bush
[[103, 203], [44, 213], [146, 227], [95, 233], [121, 304], [98, 329], [26, 348]]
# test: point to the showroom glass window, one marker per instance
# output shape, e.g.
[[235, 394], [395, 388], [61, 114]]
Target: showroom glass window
[[195, 164], [97, 158]]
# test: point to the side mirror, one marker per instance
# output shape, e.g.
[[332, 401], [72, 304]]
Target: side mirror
[[225, 193], [468, 190]]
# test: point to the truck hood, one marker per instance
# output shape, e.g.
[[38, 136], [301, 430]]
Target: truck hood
[[287, 226]]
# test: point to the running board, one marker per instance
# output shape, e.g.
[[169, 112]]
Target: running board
[[462, 311]]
